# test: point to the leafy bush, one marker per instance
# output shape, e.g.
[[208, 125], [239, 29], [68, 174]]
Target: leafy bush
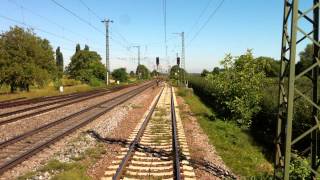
[[25, 59], [299, 168], [70, 82], [120, 74], [142, 72], [95, 82], [236, 91], [85, 66]]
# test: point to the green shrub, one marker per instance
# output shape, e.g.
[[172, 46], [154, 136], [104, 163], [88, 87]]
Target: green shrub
[[237, 90], [95, 82], [120, 74], [299, 168], [70, 82]]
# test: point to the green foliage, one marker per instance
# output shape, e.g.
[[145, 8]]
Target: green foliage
[[236, 91], [132, 74], [271, 66], [204, 73], [142, 72], [78, 48], [86, 48], [235, 146], [86, 66], [94, 82], [59, 62], [306, 58], [25, 59], [176, 72], [154, 73], [216, 70], [120, 74], [299, 168], [70, 82]]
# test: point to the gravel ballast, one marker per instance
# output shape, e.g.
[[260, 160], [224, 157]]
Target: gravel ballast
[[117, 123]]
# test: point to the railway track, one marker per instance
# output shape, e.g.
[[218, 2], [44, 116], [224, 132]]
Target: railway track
[[52, 104], [157, 145], [24, 101], [19, 148]]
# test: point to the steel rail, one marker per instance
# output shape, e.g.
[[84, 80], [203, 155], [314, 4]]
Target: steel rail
[[47, 126], [175, 141], [68, 102], [135, 142], [42, 99], [13, 103], [30, 152]]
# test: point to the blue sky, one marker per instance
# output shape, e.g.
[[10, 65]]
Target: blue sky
[[238, 25]]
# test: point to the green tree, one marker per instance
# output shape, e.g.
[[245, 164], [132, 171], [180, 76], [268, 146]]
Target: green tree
[[204, 73], [306, 59], [120, 74], [25, 59], [154, 73], [176, 72], [239, 87], [271, 66], [59, 62], [142, 72], [216, 70], [132, 74], [78, 48], [86, 66], [86, 48]]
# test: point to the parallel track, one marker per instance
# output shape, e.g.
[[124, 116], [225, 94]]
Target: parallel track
[[24, 101], [49, 105], [18, 149], [154, 151]]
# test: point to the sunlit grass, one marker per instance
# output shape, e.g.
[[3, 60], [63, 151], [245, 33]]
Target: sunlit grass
[[46, 91], [235, 146]]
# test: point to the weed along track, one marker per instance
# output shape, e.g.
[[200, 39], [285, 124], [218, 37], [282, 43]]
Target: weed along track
[[158, 148], [19, 148]]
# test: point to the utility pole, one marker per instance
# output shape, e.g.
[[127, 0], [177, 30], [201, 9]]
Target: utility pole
[[182, 54], [106, 22], [138, 47]]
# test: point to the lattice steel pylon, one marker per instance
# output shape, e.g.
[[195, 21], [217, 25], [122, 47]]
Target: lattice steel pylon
[[293, 17]]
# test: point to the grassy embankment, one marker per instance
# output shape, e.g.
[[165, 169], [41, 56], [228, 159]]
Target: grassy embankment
[[70, 86], [235, 146]]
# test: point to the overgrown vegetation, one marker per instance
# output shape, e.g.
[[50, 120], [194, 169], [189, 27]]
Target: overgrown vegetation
[[77, 169], [120, 74], [245, 92], [237, 90], [25, 60], [235, 145], [86, 66], [142, 72]]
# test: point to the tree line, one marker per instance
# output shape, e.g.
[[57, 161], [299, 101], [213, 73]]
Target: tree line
[[28, 60]]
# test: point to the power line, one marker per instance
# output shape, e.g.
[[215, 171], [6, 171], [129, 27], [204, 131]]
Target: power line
[[83, 20], [77, 16], [95, 14], [41, 30], [49, 20], [37, 28], [208, 20], [99, 18], [200, 16]]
